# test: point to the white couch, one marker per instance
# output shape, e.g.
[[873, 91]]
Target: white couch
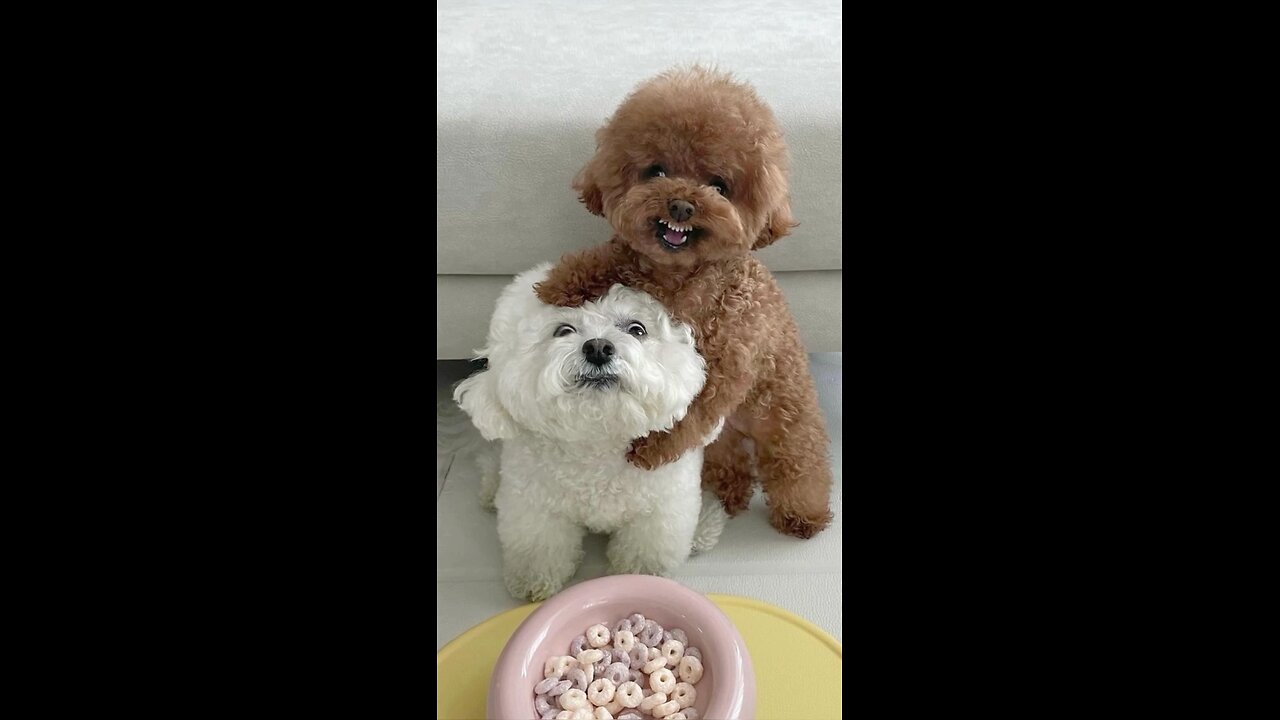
[[521, 88]]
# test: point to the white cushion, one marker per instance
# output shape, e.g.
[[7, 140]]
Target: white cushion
[[522, 86]]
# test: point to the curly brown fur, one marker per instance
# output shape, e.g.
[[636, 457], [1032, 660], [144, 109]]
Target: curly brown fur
[[729, 468], [699, 137]]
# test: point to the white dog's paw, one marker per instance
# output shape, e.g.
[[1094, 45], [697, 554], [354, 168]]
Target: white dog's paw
[[628, 557], [536, 572], [486, 499], [531, 587], [641, 566], [711, 522], [487, 460]]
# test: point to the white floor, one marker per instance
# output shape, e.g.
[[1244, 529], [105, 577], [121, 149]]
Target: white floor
[[752, 560]]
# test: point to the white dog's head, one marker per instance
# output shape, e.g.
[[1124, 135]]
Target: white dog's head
[[614, 369]]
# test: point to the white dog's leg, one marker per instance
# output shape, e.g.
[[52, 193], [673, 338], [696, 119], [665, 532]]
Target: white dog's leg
[[540, 552], [654, 544], [711, 521], [487, 461]]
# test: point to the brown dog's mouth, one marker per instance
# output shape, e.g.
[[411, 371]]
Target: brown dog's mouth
[[673, 235]]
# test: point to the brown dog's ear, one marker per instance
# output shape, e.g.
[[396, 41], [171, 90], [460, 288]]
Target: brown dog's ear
[[778, 225], [588, 191]]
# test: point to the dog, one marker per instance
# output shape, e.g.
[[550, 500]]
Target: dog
[[691, 173], [566, 391]]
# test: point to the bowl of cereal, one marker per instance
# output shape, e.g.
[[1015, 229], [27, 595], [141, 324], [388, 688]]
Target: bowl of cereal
[[627, 647]]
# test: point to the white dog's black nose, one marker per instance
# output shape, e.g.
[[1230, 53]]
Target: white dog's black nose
[[598, 351]]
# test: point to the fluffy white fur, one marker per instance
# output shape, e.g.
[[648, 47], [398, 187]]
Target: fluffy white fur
[[563, 465]]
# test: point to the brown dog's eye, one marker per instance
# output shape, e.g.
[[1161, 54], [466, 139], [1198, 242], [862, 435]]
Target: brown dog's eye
[[720, 186], [655, 171]]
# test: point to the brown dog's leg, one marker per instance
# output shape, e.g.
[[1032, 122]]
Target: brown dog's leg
[[582, 276], [797, 478], [728, 470], [795, 464]]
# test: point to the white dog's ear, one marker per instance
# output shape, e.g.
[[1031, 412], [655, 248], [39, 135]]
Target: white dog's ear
[[478, 397], [678, 331]]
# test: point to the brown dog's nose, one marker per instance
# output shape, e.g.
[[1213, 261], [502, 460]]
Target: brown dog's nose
[[680, 210]]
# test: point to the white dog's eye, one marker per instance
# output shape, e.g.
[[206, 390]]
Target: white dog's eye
[[564, 330], [636, 329]]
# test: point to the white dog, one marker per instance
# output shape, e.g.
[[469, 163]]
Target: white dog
[[566, 390]]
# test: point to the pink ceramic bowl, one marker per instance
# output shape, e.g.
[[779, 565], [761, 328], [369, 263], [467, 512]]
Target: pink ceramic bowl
[[727, 690]]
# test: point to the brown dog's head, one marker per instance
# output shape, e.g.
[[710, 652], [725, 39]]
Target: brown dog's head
[[691, 167]]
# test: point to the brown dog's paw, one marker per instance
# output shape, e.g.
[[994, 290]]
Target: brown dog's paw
[[640, 455], [798, 526], [736, 501], [649, 451], [552, 296]]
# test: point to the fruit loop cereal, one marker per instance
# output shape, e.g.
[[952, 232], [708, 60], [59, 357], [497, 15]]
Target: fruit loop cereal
[[573, 700], [587, 657], [663, 681], [623, 640], [639, 655], [636, 671], [578, 678], [601, 692], [618, 673], [666, 709], [654, 665], [691, 670], [652, 702], [674, 652], [598, 636]]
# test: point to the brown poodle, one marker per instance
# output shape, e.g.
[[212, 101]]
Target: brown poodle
[[691, 172]]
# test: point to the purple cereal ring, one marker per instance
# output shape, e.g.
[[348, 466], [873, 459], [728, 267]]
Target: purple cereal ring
[[623, 625], [578, 678], [639, 656], [618, 673], [652, 635], [619, 656], [693, 652], [559, 688], [667, 637], [637, 621], [638, 678], [540, 705], [680, 635], [602, 666], [543, 687], [578, 645], [690, 713]]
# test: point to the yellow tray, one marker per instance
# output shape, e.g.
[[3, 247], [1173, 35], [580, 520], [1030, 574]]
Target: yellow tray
[[797, 665]]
